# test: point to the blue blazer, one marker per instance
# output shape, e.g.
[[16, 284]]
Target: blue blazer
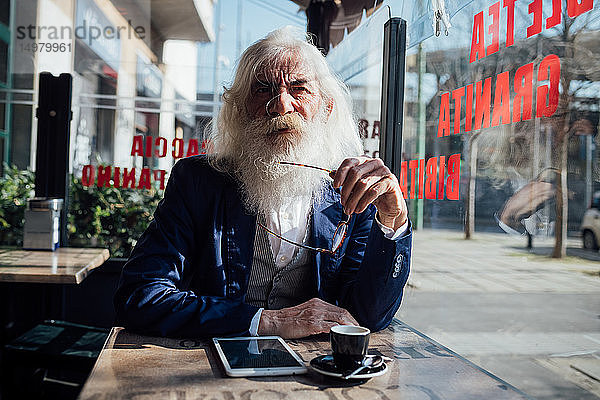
[[188, 273]]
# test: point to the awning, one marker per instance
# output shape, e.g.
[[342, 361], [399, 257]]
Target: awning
[[183, 19], [329, 19]]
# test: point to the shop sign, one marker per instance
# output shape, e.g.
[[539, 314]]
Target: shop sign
[[149, 78], [490, 105], [361, 49], [184, 110], [142, 146], [96, 31]]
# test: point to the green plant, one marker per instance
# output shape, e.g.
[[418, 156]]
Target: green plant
[[97, 217], [109, 217], [16, 186]]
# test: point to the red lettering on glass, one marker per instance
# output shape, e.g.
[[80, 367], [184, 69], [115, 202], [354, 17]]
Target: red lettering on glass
[[137, 146], [160, 143], [159, 175], [192, 148], [554, 19], [103, 176], [87, 175], [421, 175], [444, 118], [363, 124], [413, 165], [144, 182], [483, 98], [117, 177], [431, 178], [523, 93], [129, 178], [501, 100], [576, 8], [510, 21], [494, 29], [453, 179], [177, 148], [469, 108], [376, 128], [477, 38], [457, 95], [549, 69], [403, 178], [149, 146], [535, 8], [442, 173]]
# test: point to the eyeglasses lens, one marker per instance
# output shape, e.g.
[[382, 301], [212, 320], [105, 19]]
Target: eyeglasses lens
[[338, 237]]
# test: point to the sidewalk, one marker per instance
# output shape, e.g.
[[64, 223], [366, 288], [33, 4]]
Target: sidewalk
[[532, 320]]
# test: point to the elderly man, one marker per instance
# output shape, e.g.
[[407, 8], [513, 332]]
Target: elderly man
[[283, 229]]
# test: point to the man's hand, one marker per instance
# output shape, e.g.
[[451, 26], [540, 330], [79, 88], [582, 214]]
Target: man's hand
[[309, 318], [367, 180]]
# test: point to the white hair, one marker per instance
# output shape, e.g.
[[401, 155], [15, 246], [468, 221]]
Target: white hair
[[237, 141], [341, 133]]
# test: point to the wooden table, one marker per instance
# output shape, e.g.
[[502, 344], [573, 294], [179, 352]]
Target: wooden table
[[65, 265], [141, 367]]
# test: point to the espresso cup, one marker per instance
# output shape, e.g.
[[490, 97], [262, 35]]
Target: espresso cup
[[349, 345]]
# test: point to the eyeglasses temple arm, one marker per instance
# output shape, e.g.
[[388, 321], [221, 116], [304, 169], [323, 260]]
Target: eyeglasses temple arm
[[292, 242]]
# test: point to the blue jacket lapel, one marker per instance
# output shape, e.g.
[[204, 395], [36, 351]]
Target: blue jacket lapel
[[326, 215], [239, 229]]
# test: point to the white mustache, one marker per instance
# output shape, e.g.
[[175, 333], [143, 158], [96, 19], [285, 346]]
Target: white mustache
[[269, 125]]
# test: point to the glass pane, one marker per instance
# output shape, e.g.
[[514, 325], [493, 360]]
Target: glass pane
[[5, 12], [338, 237], [500, 144], [3, 62], [2, 116], [143, 91], [358, 60], [500, 127]]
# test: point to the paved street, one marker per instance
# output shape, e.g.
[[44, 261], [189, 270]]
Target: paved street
[[529, 319]]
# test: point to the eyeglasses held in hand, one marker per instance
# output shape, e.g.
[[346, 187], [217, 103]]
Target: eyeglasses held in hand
[[340, 232]]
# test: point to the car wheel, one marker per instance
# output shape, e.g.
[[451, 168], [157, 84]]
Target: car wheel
[[589, 241]]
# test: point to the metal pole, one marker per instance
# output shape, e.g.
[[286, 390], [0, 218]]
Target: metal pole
[[536, 134], [548, 162], [215, 111], [421, 130], [8, 117], [392, 93], [588, 170], [239, 29]]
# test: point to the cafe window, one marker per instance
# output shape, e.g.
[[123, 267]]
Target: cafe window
[[5, 13], [4, 64], [142, 94], [487, 96], [500, 169], [127, 105], [499, 160]]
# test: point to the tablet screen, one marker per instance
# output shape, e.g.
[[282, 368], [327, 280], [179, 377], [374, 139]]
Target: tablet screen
[[257, 353]]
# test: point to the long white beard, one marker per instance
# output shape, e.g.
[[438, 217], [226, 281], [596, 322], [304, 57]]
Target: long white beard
[[266, 184]]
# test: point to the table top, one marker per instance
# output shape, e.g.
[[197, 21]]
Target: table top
[[135, 366], [64, 265]]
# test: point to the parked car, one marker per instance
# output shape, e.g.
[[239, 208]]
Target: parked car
[[590, 227]]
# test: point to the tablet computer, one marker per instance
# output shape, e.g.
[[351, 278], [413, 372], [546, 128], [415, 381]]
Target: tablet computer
[[258, 356]]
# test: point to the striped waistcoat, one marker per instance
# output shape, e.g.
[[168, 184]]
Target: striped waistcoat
[[271, 287]]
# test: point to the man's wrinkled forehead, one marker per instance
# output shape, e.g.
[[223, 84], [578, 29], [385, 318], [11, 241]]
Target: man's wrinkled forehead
[[284, 72]]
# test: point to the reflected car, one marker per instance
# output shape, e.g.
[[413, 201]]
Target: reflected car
[[590, 227]]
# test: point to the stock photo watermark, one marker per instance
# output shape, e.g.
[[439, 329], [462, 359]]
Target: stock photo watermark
[[54, 38]]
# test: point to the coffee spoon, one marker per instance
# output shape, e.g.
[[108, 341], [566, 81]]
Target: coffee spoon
[[371, 362]]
